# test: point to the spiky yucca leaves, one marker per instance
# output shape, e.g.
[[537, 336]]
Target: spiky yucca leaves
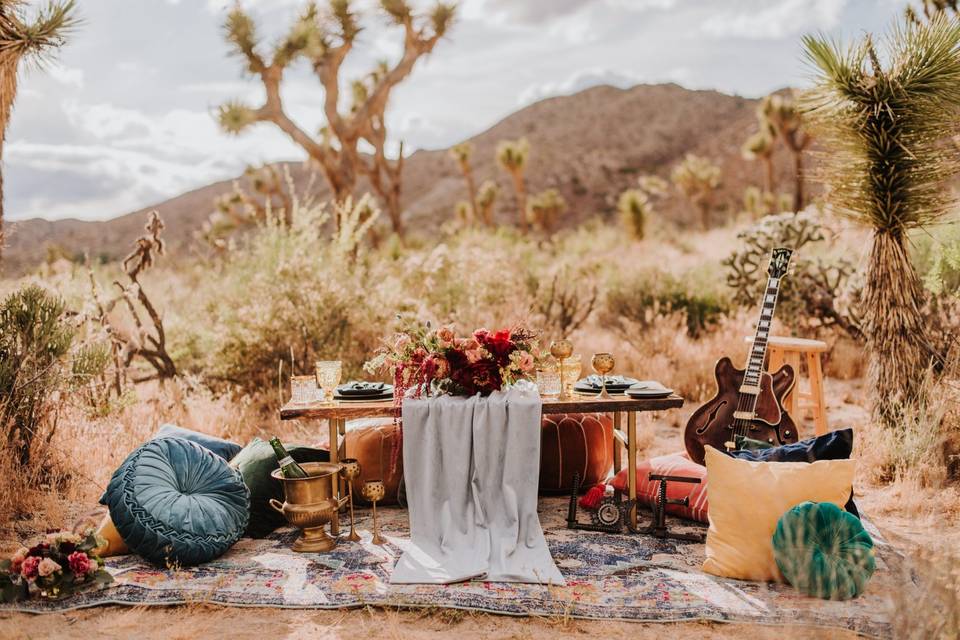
[[697, 179], [512, 156], [545, 208], [29, 41], [885, 163], [635, 209], [461, 154], [653, 185]]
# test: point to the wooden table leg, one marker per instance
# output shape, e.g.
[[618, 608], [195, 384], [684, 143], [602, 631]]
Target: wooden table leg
[[334, 445], [632, 463]]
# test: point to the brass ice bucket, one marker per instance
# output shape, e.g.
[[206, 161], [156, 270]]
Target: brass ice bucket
[[309, 505]]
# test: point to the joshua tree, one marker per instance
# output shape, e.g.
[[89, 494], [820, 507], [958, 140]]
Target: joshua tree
[[635, 209], [885, 165], [932, 8], [462, 153], [265, 191], [783, 117], [697, 179], [544, 209], [29, 42], [486, 198], [324, 39], [653, 185], [512, 156], [760, 146]]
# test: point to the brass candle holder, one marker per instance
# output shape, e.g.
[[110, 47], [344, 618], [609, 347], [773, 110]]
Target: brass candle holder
[[561, 349], [350, 469], [603, 364], [374, 490]]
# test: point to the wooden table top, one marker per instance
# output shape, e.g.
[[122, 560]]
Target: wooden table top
[[386, 409]]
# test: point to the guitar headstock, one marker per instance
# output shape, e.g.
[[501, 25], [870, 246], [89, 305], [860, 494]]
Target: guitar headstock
[[779, 260]]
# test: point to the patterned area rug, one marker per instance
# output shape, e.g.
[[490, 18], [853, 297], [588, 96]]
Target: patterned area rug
[[623, 577]]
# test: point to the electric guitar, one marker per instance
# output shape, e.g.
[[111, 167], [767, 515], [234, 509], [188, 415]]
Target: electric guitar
[[749, 402]]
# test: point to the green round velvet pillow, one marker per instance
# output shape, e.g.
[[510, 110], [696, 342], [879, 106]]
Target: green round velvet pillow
[[174, 502], [823, 551]]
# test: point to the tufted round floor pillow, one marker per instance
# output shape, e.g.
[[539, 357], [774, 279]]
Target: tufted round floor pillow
[[174, 502], [823, 551], [371, 442], [574, 443]]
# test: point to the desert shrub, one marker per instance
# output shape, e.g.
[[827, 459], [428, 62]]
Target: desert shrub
[[287, 296], [640, 300], [812, 292]]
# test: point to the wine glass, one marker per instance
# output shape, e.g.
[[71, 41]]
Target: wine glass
[[350, 469], [571, 373], [328, 377], [561, 349], [603, 364], [374, 490]]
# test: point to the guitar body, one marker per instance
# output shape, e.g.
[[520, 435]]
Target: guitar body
[[713, 423]]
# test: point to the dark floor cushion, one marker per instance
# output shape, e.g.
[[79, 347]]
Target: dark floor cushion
[[823, 551], [223, 448], [176, 503], [836, 445], [255, 463], [574, 444]]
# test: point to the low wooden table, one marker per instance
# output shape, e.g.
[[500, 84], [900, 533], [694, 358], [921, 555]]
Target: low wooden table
[[338, 413]]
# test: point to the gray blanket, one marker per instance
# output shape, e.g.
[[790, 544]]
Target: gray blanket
[[471, 468]]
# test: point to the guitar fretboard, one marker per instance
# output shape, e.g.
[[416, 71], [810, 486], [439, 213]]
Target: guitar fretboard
[[758, 350]]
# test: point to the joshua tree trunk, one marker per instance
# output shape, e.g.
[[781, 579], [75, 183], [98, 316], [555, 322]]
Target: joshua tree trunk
[[8, 90], [520, 188], [798, 180], [472, 188], [896, 335], [768, 174]]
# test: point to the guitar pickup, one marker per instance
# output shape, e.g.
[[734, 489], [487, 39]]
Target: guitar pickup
[[744, 415], [753, 390]]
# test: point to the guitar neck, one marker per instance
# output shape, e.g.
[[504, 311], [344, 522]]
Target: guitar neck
[[758, 349]]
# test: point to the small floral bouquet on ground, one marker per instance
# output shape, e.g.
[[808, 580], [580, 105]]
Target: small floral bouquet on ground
[[427, 360], [58, 565]]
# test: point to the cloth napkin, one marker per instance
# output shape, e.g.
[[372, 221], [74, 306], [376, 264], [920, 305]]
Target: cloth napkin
[[471, 468]]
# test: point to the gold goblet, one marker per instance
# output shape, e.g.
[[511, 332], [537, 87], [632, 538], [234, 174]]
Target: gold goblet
[[328, 377], [350, 469], [373, 490], [561, 349], [603, 364]]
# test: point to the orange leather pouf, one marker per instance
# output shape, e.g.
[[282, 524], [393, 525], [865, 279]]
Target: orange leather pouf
[[373, 447], [574, 443]]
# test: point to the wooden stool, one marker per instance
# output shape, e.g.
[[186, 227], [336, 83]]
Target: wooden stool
[[793, 351]]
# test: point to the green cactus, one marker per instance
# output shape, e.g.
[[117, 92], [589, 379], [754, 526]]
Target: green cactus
[[697, 179], [545, 208], [635, 209]]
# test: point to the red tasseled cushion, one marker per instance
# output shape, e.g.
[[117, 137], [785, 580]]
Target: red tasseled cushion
[[677, 464]]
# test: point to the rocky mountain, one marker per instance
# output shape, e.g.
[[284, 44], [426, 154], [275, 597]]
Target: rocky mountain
[[590, 146]]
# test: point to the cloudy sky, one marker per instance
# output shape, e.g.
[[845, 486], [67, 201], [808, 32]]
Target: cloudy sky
[[124, 120]]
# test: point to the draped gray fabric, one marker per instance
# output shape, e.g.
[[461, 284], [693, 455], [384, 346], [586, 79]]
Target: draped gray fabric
[[471, 468]]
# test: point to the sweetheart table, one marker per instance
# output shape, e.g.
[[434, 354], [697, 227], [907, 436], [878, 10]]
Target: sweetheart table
[[623, 408]]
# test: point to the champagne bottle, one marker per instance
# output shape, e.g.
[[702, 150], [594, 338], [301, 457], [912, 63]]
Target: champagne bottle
[[288, 466]]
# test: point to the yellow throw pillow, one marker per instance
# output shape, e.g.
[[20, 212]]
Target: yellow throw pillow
[[115, 545], [746, 501]]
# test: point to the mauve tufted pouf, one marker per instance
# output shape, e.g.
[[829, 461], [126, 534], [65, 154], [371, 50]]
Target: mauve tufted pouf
[[175, 503]]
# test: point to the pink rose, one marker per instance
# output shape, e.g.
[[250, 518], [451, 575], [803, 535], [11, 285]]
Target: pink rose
[[48, 567], [474, 355], [445, 336], [29, 567], [525, 361], [16, 560], [80, 563], [467, 344]]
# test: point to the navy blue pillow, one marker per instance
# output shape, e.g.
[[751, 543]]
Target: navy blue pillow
[[223, 448], [836, 445]]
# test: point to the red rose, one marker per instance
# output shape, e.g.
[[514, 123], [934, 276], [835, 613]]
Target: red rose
[[500, 345], [30, 567], [481, 377], [80, 563]]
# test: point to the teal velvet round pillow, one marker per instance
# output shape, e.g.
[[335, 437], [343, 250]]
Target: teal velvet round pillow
[[823, 551], [174, 502]]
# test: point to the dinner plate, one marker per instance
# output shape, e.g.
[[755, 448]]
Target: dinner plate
[[379, 398]]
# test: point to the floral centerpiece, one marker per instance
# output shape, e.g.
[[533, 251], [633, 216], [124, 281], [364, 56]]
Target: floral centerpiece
[[58, 565], [423, 359]]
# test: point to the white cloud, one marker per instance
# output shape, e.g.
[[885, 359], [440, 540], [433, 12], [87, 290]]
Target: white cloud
[[772, 20], [65, 75]]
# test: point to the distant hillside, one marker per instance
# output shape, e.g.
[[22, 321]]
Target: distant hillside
[[589, 146]]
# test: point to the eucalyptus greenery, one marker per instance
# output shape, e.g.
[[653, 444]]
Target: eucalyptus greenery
[[884, 118]]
